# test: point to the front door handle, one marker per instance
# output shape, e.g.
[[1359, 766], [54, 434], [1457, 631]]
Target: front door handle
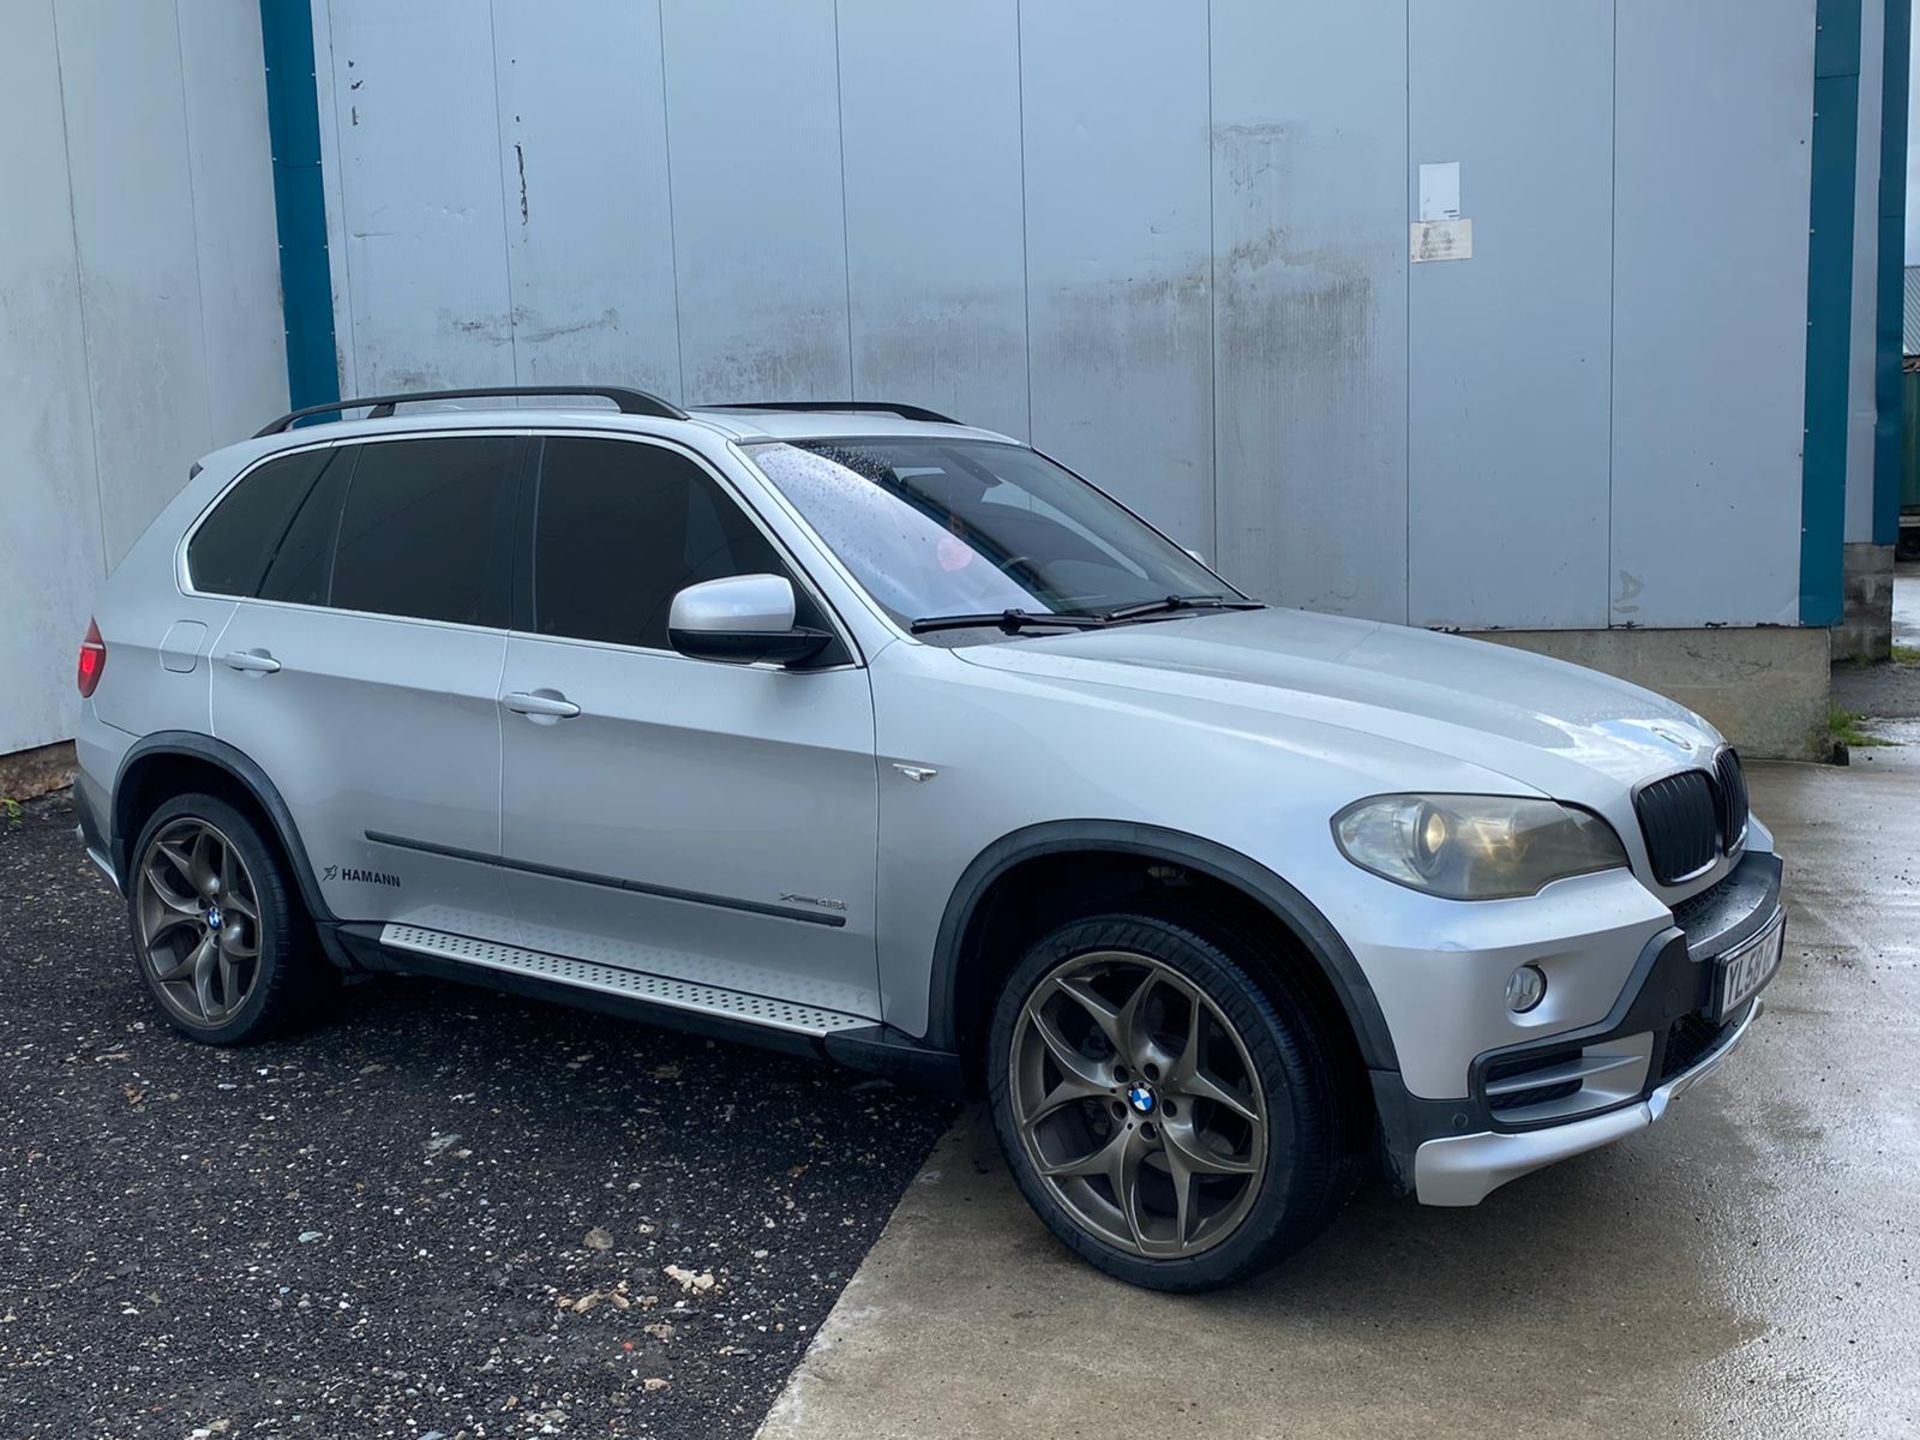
[[543, 707], [251, 662]]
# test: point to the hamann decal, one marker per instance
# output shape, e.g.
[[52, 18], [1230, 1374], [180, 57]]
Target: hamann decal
[[361, 877]]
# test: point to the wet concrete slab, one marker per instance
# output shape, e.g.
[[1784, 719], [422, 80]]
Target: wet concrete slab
[[1750, 1266]]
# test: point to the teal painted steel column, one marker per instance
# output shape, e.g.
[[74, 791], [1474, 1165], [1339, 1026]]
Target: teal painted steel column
[[299, 201], [1888, 388], [1823, 476]]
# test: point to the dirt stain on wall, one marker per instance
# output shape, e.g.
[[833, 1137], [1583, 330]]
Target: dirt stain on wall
[[1302, 385]]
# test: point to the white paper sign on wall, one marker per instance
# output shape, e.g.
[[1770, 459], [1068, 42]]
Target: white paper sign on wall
[[1440, 233], [1440, 191], [1442, 240]]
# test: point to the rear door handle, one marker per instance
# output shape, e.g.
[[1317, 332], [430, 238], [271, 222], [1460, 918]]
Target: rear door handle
[[252, 662], [541, 706]]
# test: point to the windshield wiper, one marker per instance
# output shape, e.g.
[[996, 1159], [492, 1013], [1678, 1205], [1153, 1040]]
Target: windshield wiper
[[1011, 621], [1174, 603]]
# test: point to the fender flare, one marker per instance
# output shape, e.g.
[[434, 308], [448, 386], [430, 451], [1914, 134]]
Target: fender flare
[[1287, 905], [244, 772]]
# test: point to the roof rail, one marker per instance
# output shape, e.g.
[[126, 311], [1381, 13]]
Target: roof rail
[[876, 407], [630, 402]]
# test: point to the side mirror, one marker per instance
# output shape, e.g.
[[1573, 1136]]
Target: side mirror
[[744, 620]]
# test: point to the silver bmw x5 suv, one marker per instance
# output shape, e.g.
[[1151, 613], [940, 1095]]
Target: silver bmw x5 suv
[[854, 730]]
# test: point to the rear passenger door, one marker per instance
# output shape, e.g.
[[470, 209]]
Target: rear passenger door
[[361, 673], [685, 818]]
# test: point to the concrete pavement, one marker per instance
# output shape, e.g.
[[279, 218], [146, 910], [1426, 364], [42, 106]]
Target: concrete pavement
[[1750, 1266]]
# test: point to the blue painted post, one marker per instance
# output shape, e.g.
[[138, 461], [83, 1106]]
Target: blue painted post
[[1823, 476], [299, 199]]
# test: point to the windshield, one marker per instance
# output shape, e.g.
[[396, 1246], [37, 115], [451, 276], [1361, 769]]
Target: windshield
[[934, 528]]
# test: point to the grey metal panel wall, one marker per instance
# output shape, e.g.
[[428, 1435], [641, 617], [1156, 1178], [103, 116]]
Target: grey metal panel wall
[[936, 230], [1710, 318], [1166, 240], [1310, 301], [133, 223], [51, 555], [424, 222], [1507, 406], [753, 121], [583, 164], [224, 93], [139, 320], [1119, 250]]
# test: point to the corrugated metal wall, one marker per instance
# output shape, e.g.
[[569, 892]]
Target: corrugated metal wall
[[139, 300], [1168, 241]]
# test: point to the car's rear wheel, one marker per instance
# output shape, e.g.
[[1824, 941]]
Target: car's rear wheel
[[1172, 1120], [218, 933]]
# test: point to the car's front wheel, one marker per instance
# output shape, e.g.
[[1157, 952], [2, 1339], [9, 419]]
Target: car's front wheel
[[1173, 1120], [217, 929]]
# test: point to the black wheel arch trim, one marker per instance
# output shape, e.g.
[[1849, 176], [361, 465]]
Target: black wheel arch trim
[[187, 744], [1287, 905]]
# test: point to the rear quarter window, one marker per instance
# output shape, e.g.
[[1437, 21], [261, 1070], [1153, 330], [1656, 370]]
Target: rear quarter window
[[301, 569], [230, 551]]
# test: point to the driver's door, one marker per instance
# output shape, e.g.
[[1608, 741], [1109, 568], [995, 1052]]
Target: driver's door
[[694, 819]]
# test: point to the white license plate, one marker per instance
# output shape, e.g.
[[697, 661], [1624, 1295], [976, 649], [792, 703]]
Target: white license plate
[[1743, 973]]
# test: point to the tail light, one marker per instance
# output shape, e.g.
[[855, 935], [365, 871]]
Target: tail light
[[93, 659]]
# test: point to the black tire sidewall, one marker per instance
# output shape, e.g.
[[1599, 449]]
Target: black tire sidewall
[[1290, 1060], [270, 1005]]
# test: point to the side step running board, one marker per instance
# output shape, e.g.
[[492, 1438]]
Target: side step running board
[[610, 980]]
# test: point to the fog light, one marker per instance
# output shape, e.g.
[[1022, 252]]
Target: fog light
[[1526, 988]]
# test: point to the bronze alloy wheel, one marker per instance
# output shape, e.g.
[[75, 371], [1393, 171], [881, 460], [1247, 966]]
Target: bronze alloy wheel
[[197, 914], [1136, 1102]]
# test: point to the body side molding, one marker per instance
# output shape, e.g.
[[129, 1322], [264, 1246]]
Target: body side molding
[[613, 882]]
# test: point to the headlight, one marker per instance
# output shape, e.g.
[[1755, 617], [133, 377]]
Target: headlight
[[1474, 847]]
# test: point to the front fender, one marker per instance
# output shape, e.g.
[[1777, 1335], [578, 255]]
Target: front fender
[[1285, 903]]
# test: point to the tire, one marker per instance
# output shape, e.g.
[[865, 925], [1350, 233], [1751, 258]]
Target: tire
[[199, 851], [1275, 1113]]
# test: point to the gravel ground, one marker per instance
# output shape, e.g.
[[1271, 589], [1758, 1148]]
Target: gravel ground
[[443, 1211]]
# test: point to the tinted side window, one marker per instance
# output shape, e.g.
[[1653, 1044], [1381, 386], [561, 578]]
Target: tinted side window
[[423, 533], [229, 552], [302, 564], [620, 527]]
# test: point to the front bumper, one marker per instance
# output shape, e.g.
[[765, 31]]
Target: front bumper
[[1532, 1104], [1465, 1169]]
